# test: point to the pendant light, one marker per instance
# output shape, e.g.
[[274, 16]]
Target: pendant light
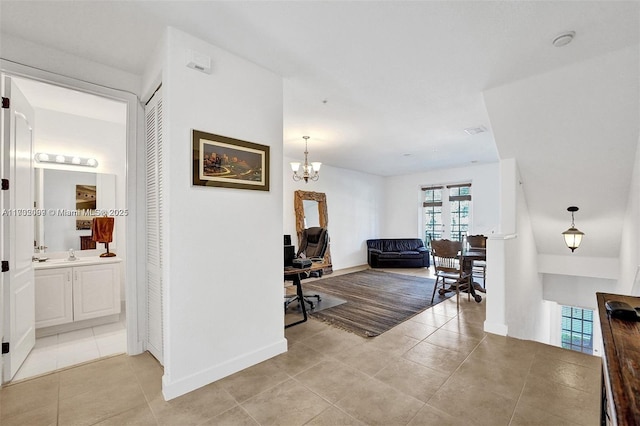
[[310, 171], [573, 236]]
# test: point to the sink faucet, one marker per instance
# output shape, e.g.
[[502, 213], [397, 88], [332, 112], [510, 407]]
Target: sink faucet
[[72, 255]]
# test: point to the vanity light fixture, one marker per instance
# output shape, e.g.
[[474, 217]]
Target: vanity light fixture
[[310, 171], [573, 236], [74, 160]]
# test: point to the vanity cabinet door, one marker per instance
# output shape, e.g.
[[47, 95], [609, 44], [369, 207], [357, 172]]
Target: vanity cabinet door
[[54, 297], [96, 291]]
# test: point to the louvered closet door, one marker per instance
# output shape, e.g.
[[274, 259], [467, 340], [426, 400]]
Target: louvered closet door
[[154, 184]]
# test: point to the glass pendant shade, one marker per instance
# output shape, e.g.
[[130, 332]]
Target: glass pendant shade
[[572, 236], [309, 170]]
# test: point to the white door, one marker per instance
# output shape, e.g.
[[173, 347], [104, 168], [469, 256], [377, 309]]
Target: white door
[[154, 231], [18, 289]]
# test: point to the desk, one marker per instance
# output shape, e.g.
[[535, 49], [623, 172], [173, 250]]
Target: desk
[[294, 274], [620, 364], [467, 257]]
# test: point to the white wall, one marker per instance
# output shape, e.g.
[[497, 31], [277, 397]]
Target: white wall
[[221, 243], [576, 291], [60, 133], [629, 282], [403, 199], [355, 204], [524, 305]]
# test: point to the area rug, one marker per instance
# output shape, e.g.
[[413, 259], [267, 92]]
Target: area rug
[[376, 301]]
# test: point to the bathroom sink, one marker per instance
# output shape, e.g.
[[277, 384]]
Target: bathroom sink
[[63, 262]]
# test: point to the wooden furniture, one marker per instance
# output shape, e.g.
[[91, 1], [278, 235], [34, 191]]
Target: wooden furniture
[[68, 293], [478, 243], [620, 364], [318, 202], [86, 243], [468, 258], [295, 275], [447, 266]]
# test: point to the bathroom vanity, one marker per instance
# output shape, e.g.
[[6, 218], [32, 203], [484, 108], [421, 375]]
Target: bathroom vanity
[[76, 294]]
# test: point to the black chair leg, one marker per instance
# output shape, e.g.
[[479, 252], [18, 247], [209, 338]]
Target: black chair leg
[[435, 287]]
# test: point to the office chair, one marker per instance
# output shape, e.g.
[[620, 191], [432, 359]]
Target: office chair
[[313, 245]]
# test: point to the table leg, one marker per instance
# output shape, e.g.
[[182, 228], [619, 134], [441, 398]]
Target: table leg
[[298, 284], [468, 265], [471, 289]]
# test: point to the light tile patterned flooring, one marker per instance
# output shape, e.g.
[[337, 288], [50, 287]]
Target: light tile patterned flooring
[[439, 368], [74, 347]]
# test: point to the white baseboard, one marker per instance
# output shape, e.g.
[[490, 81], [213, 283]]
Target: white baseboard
[[174, 389], [495, 328]]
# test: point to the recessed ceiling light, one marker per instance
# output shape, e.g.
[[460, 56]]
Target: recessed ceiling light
[[407, 155], [475, 130], [564, 38]]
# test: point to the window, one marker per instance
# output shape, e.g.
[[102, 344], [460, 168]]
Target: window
[[577, 329], [460, 203], [433, 226], [446, 220]]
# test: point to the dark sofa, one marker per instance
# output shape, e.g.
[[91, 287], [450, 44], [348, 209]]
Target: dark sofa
[[397, 253]]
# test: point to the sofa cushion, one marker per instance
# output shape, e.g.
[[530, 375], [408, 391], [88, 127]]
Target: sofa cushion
[[411, 253], [388, 254]]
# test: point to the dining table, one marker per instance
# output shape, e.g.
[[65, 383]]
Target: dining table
[[467, 257]]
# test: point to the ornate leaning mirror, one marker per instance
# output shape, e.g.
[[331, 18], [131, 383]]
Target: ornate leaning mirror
[[311, 210]]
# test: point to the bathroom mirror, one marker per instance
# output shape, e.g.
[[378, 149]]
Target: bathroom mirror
[[311, 210], [60, 228]]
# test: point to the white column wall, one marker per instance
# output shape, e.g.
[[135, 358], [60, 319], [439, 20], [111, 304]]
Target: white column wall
[[629, 282], [220, 243], [524, 307]]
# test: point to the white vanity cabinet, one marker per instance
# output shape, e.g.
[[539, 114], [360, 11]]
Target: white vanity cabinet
[[54, 297], [67, 294]]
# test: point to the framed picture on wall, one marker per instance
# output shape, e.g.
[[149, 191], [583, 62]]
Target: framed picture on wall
[[86, 203], [228, 162]]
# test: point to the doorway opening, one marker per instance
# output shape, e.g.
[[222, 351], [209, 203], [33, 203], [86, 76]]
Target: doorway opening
[[77, 119]]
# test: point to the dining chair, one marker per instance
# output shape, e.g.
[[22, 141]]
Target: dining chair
[[479, 242], [447, 266]]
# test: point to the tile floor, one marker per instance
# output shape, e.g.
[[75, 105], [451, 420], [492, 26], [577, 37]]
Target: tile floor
[[66, 349], [438, 368]]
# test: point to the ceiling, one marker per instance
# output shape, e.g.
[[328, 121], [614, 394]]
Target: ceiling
[[56, 98], [385, 88], [389, 87]]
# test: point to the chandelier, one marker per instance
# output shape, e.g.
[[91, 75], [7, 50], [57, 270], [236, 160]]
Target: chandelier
[[310, 171], [573, 236]]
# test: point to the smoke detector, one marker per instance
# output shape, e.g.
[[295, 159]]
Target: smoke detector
[[564, 38]]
